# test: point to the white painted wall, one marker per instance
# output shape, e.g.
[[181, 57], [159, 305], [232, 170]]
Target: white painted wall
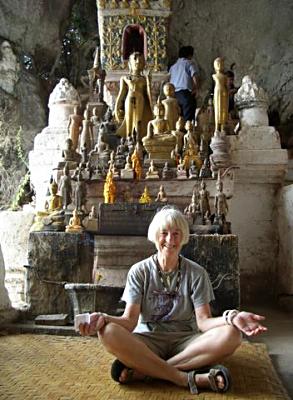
[[14, 234], [285, 229]]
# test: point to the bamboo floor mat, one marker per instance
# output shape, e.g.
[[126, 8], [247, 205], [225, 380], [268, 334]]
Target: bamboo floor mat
[[47, 367]]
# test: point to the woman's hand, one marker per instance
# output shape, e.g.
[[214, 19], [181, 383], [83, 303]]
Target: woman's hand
[[97, 322], [249, 323]]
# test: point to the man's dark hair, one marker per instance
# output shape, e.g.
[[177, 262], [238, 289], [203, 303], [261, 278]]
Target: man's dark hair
[[229, 74], [186, 51]]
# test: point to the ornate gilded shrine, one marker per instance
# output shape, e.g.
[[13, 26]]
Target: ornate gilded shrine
[[127, 26]]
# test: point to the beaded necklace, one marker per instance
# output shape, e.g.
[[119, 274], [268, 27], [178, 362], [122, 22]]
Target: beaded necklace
[[178, 281]]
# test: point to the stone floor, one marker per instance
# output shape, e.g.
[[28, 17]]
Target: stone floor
[[279, 340]]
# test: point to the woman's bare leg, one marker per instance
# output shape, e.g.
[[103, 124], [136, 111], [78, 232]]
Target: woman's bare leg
[[209, 348]]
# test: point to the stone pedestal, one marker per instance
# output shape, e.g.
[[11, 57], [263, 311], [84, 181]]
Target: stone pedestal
[[261, 168], [56, 259], [219, 256], [114, 255]]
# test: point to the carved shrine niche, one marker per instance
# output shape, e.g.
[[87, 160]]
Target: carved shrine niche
[[129, 25], [133, 39]]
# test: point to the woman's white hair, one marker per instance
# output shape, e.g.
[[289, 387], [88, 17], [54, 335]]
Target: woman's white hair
[[168, 217]]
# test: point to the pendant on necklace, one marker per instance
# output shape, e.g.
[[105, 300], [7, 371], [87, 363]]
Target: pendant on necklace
[[168, 280]]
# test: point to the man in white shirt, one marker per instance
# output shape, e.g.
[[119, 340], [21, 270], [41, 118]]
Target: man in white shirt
[[184, 76]]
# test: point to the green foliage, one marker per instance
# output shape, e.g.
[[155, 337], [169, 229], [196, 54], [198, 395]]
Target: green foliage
[[13, 160]]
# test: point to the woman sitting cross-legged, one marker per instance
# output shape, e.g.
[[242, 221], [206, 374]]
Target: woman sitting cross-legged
[[167, 330]]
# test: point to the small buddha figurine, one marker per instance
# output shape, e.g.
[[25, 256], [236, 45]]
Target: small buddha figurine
[[109, 189], [95, 120], [181, 171], [171, 106], [55, 201], [190, 154], [136, 165], [204, 201], [192, 211], [74, 127], [74, 225], [159, 125], [220, 203], [80, 192], [161, 196], [127, 172], [127, 195], [69, 154], [145, 198], [193, 171], [205, 171], [221, 97], [93, 213], [87, 135], [65, 187], [152, 173], [179, 133], [189, 138], [167, 172]]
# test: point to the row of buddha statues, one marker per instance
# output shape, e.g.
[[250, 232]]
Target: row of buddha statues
[[57, 212]]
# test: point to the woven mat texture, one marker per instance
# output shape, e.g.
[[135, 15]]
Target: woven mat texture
[[75, 368]]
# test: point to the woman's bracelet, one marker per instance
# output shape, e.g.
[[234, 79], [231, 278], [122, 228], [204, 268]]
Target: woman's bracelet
[[229, 316]]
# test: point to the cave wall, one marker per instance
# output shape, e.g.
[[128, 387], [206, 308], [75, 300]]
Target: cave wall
[[34, 29], [255, 35]]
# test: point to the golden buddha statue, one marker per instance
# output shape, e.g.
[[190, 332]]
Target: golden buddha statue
[[74, 225], [189, 138], [74, 127], [159, 125], [145, 198], [221, 98], [159, 142], [109, 189], [171, 106], [55, 201], [191, 154], [135, 90], [136, 165], [179, 134]]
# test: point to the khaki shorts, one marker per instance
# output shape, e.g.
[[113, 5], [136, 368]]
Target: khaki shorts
[[167, 344]]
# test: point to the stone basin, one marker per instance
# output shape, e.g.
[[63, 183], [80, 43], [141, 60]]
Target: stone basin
[[90, 297]]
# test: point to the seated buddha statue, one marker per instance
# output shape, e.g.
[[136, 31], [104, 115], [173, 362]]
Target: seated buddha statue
[[171, 106], [152, 173], [55, 201], [74, 225], [159, 142], [161, 196], [145, 198], [127, 172]]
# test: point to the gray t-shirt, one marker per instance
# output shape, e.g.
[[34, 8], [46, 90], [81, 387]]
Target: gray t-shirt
[[167, 310]]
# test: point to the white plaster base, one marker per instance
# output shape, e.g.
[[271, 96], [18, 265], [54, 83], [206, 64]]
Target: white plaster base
[[285, 230], [14, 234]]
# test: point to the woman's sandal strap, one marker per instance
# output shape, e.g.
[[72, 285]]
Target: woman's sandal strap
[[222, 371], [191, 382]]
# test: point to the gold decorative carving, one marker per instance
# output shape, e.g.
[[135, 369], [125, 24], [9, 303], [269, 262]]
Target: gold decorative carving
[[156, 33], [101, 4]]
